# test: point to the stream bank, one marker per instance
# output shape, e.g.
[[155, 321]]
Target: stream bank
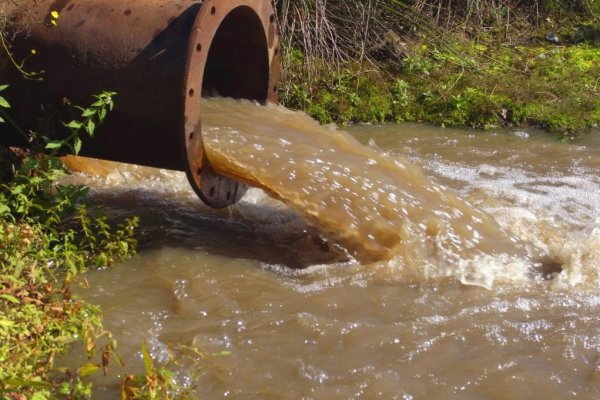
[[532, 65]]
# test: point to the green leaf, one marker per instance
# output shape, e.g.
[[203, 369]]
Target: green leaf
[[64, 388], [2, 87], [55, 144], [4, 103], [10, 299], [102, 260], [77, 145], [87, 369], [74, 125], [90, 127], [4, 209], [147, 360], [88, 113], [6, 323], [40, 396], [118, 359], [32, 383]]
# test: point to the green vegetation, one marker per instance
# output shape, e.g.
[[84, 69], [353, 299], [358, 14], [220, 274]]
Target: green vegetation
[[476, 64], [47, 239]]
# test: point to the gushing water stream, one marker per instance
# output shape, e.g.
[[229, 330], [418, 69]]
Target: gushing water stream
[[262, 301], [377, 205]]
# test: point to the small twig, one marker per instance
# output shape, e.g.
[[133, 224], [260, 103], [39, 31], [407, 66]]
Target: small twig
[[589, 6], [554, 97], [19, 67], [462, 72]]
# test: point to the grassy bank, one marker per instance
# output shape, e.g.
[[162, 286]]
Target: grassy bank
[[452, 66]]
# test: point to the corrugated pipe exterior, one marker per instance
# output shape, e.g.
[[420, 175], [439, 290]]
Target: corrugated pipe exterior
[[161, 57]]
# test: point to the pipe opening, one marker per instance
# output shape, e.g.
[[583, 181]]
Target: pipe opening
[[228, 56], [238, 59]]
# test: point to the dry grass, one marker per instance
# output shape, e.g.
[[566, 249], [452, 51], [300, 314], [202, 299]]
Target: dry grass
[[337, 31]]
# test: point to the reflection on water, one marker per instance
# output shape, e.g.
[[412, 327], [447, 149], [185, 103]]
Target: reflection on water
[[228, 280]]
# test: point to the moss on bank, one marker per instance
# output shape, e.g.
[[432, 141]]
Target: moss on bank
[[472, 85]]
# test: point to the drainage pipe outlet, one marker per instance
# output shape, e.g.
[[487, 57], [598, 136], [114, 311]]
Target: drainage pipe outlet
[[161, 57]]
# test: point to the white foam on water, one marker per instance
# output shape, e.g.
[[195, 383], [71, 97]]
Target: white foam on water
[[558, 211], [117, 178], [573, 199]]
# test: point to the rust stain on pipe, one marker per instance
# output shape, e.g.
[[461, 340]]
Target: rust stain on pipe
[[161, 57]]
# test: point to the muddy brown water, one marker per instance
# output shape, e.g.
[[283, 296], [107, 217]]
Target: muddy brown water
[[264, 301]]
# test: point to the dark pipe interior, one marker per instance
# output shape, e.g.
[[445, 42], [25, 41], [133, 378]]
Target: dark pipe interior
[[238, 59]]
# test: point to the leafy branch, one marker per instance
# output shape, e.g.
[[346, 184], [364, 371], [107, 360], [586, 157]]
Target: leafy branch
[[90, 118]]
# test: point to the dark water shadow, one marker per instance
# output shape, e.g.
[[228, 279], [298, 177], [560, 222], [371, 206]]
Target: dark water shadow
[[276, 237]]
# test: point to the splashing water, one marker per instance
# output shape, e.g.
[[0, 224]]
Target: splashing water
[[377, 205], [414, 326]]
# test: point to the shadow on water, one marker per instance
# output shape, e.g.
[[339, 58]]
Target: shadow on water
[[260, 232], [269, 235]]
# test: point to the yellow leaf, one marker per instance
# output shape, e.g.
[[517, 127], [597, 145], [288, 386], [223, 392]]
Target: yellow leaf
[[87, 369], [55, 14]]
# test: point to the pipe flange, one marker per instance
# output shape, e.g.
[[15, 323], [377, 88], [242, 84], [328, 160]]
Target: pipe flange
[[215, 190]]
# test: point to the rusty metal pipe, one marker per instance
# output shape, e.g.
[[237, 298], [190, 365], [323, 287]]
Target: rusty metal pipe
[[161, 57]]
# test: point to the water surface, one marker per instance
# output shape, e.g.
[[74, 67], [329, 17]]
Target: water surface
[[257, 301]]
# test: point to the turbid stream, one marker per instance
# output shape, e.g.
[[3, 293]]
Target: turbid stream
[[253, 302]]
